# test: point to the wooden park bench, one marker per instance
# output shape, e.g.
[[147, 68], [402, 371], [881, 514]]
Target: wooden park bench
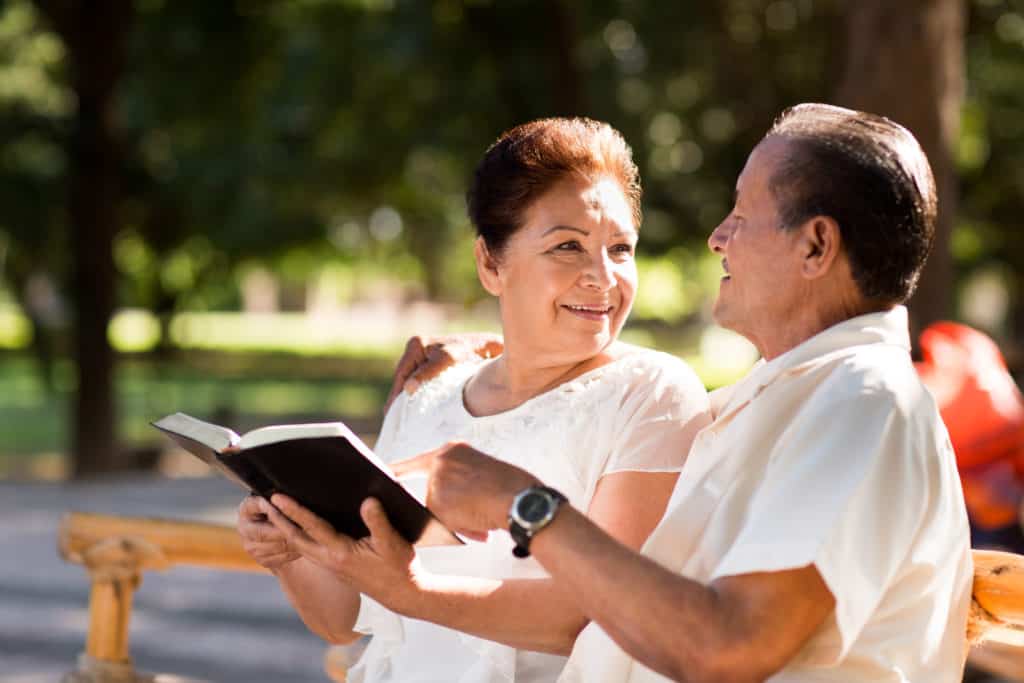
[[117, 550]]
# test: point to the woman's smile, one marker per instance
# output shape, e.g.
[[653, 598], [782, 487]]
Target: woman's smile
[[599, 313]]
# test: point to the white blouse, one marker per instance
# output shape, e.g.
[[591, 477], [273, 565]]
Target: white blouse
[[633, 414]]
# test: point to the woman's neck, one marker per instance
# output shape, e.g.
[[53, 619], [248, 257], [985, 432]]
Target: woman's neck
[[517, 376]]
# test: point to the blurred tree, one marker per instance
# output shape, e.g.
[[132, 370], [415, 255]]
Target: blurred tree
[[296, 134], [34, 107], [987, 235], [94, 35], [905, 60]]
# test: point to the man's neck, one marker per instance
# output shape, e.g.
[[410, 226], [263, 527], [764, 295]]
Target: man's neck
[[807, 322]]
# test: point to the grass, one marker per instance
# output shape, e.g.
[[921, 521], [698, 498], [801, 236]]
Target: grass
[[244, 390], [327, 377]]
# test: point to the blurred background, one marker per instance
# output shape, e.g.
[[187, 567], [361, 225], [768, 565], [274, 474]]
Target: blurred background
[[241, 209]]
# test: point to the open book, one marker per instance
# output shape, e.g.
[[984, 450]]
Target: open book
[[323, 466]]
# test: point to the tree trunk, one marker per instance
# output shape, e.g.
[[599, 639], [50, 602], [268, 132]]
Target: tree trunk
[[95, 34], [564, 43], [905, 60]]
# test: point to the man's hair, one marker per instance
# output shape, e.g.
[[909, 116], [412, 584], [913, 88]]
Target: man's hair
[[528, 160], [871, 176]]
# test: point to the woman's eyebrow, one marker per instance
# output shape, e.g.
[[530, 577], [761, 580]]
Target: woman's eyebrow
[[564, 227]]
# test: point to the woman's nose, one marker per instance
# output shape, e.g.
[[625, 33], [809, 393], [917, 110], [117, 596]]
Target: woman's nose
[[599, 273]]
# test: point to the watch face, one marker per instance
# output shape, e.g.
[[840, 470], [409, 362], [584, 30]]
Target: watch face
[[534, 507]]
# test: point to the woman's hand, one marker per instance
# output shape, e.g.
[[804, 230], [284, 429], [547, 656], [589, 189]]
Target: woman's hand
[[469, 491], [427, 357], [261, 539], [383, 565]]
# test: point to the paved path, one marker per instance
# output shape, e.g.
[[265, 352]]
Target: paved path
[[218, 626]]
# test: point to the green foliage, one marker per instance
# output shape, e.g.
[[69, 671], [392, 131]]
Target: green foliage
[[32, 421], [347, 130], [992, 144], [35, 104], [337, 136]]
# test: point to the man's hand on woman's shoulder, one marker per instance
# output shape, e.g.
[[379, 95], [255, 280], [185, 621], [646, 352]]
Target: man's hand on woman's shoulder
[[427, 357]]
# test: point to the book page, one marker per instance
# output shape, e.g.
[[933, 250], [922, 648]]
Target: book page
[[278, 433], [214, 436]]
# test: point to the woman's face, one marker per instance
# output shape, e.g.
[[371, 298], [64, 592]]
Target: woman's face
[[567, 277]]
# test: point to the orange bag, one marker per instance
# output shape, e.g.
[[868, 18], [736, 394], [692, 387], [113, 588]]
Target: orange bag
[[984, 412]]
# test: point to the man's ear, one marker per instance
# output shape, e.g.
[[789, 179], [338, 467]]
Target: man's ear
[[486, 267], [820, 245]]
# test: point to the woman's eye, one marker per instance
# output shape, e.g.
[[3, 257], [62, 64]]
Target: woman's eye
[[571, 245], [622, 249]]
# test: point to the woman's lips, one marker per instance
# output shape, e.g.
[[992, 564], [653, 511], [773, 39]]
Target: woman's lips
[[589, 312]]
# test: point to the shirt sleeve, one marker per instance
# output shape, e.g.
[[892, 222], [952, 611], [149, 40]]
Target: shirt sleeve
[[664, 407], [846, 495]]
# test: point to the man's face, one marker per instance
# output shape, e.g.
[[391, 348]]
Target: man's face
[[762, 282]]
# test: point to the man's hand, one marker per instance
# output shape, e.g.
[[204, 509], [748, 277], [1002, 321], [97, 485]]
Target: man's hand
[[261, 539], [469, 491], [427, 357]]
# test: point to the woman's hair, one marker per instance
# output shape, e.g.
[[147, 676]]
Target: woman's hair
[[530, 159]]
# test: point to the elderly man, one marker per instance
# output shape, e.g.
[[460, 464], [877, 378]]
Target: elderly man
[[817, 531]]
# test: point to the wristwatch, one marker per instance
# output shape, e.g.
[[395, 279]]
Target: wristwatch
[[532, 510]]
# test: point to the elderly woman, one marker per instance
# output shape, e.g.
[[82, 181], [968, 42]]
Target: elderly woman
[[556, 206]]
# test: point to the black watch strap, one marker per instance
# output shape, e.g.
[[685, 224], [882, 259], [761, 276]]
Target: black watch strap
[[522, 534]]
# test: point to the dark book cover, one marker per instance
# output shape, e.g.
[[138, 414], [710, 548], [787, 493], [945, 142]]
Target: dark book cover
[[327, 474]]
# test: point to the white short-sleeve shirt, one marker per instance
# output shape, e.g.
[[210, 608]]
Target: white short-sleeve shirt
[[832, 454], [633, 414]]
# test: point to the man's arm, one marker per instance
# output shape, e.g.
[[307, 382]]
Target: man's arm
[[539, 614], [741, 628], [535, 614]]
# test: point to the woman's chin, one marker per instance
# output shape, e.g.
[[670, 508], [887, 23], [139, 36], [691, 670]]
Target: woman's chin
[[589, 345]]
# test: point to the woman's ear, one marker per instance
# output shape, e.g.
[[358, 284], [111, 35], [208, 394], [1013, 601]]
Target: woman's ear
[[820, 242], [486, 267]]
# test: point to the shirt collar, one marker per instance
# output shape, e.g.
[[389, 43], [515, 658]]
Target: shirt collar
[[883, 327]]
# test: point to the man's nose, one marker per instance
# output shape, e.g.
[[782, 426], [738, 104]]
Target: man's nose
[[718, 237]]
